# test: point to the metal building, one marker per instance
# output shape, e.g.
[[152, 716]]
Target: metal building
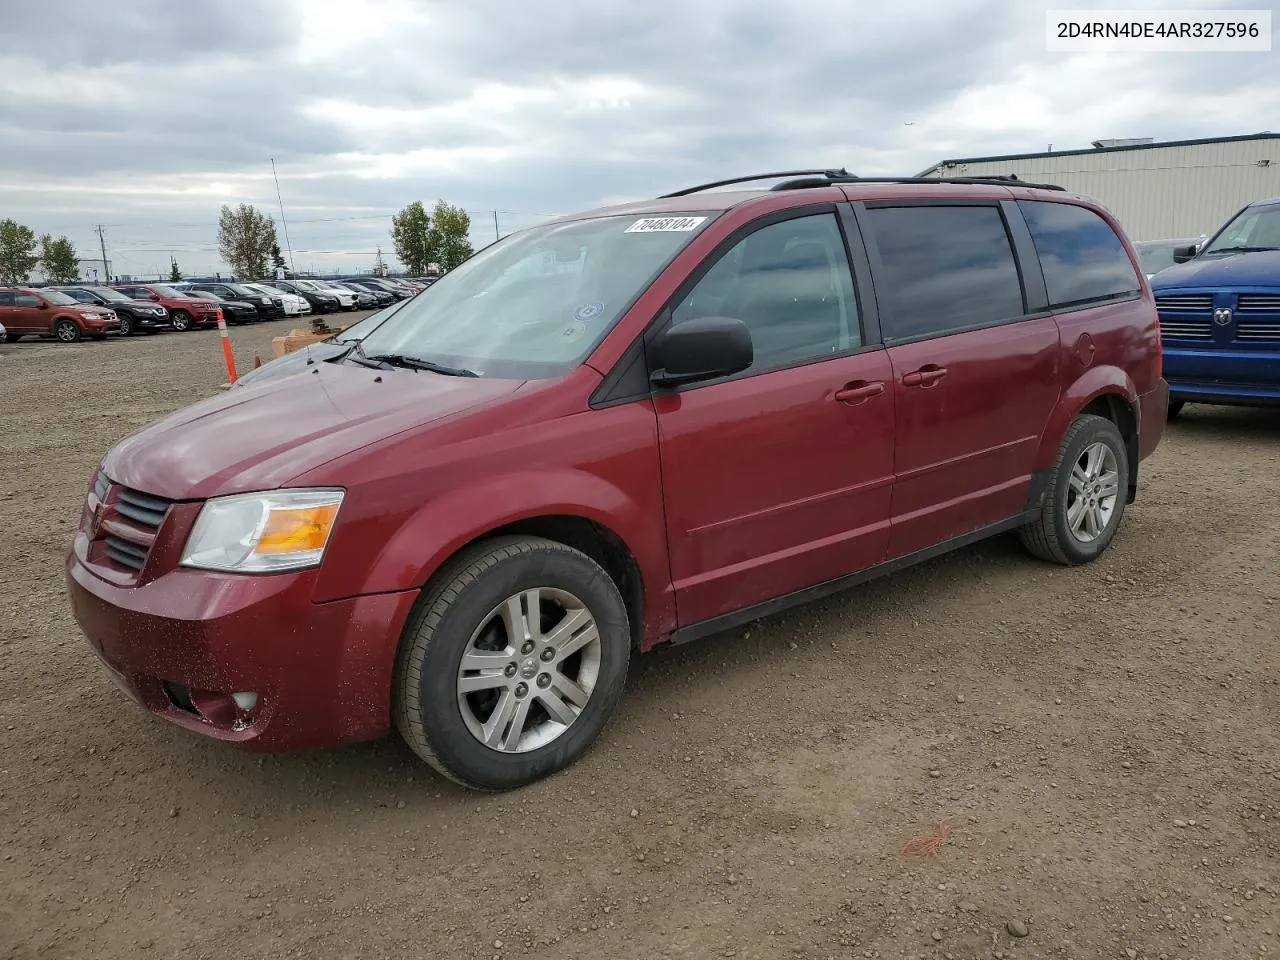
[[1179, 188]]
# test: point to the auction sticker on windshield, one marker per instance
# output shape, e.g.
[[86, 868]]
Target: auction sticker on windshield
[[665, 225]]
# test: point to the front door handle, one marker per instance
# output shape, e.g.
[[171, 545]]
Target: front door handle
[[859, 391], [926, 376]]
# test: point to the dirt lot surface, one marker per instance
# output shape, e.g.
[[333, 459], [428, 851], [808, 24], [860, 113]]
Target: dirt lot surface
[[1101, 742]]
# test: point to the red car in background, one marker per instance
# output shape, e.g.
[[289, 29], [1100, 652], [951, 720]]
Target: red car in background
[[25, 311], [186, 312]]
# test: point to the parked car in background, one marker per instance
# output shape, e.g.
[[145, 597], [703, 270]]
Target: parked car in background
[[346, 298], [268, 307], [27, 311], [1157, 255], [466, 526], [233, 311], [320, 302], [1220, 314], [136, 316], [366, 299], [186, 312], [292, 304], [378, 283], [306, 357]]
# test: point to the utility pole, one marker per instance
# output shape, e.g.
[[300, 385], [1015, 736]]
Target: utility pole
[[102, 244], [283, 221], [496, 238]]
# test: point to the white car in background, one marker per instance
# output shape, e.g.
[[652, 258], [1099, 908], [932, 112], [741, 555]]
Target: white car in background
[[346, 298], [294, 305]]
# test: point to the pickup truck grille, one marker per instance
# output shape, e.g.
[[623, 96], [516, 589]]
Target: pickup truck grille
[[127, 523], [1187, 316], [1253, 303]]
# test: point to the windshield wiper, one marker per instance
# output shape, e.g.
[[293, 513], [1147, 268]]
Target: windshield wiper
[[408, 362], [1242, 250]]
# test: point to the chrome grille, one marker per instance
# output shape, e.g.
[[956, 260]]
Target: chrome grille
[[1259, 303], [1186, 329], [1186, 302], [1258, 332], [129, 522]]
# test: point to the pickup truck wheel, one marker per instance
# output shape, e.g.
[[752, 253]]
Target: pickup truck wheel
[[1086, 496], [68, 331], [512, 662], [1175, 408]]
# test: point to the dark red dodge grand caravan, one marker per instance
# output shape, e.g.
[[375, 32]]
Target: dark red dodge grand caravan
[[624, 428]]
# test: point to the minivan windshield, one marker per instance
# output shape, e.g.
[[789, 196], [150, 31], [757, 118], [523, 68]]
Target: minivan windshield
[[533, 305], [1254, 229]]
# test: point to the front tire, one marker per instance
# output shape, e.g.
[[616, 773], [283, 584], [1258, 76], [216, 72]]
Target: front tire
[[126, 326], [68, 331], [512, 663], [181, 321], [1175, 408], [1086, 495]]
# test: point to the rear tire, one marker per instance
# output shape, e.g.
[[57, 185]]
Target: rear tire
[[1175, 408], [561, 688], [1086, 496]]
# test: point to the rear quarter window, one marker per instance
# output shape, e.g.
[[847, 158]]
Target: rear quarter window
[[1082, 258]]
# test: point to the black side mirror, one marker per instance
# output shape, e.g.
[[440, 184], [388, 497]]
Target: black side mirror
[[703, 348], [1183, 254]]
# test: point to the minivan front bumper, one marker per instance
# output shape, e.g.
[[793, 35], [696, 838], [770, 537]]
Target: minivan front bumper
[[185, 643]]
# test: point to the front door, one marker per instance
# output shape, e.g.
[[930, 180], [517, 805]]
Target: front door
[[976, 379], [780, 477]]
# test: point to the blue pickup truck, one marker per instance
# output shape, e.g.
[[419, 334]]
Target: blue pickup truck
[[1220, 314]]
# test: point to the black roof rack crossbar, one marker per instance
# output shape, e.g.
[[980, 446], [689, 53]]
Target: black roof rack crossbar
[[828, 180], [828, 175]]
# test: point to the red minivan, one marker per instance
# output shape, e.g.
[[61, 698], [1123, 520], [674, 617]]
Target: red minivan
[[629, 427]]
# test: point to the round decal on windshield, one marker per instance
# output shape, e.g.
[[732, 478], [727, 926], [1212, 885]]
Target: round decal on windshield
[[588, 311]]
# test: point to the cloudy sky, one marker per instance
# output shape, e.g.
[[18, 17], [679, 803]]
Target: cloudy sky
[[146, 115]]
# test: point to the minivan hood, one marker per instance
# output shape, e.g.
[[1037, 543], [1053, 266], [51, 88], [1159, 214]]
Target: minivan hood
[[1261, 269], [261, 437]]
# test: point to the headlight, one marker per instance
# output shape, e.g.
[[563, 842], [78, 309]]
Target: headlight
[[263, 532]]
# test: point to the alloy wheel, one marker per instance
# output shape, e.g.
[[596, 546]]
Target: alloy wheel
[[529, 669], [1094, 487]]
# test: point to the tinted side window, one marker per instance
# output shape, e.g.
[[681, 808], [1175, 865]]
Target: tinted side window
[[945, 268], [6, 299], [83, 296], [1080, 254], [26, 300], [790, 284]]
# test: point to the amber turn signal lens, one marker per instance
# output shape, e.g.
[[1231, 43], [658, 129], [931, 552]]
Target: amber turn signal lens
[[297, 530]]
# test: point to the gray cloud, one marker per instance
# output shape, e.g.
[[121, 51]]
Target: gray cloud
[[146, 115]]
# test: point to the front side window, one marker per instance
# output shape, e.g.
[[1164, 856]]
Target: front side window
[[945, 269], [80, 296], [536, 303], [25, 300], [1082, 258], [1253, 230], [58, 298], [790, 283]]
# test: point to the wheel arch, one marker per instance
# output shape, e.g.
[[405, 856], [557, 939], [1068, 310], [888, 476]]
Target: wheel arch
[[1107, 392]]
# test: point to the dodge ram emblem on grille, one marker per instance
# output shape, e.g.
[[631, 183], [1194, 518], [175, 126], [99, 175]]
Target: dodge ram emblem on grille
[[1222, 316], [95, 520]]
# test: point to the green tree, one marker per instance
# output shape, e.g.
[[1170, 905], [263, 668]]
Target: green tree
[[18, 256], [414, 238], [450, 236], [175, 275], [58, 260], [277, 259], [245, 238]]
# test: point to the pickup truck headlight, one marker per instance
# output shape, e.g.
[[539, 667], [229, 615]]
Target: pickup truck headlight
[[263, 532]]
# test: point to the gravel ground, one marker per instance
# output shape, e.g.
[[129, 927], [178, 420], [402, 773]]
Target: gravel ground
[[1099, 744]]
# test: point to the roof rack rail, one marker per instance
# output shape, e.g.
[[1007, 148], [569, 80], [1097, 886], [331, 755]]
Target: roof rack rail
[[828, 175], [826, 180]]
